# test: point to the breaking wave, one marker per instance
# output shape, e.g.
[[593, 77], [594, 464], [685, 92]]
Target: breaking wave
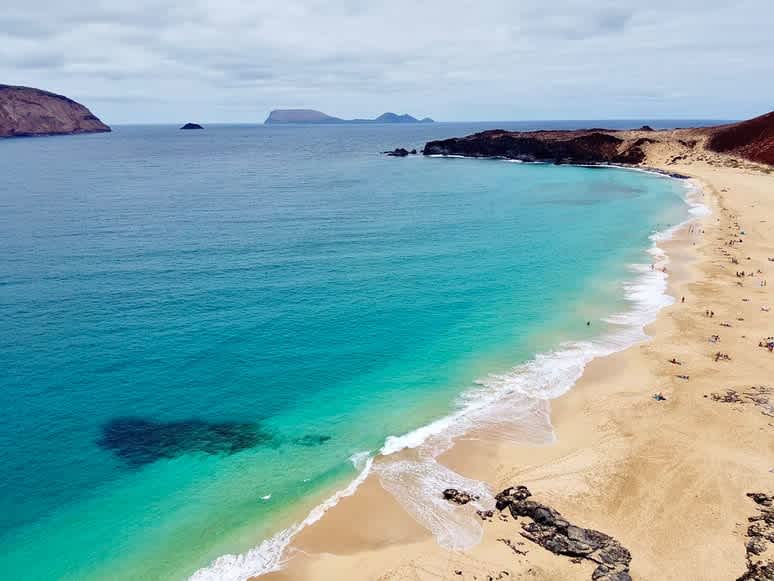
[[514, 405]]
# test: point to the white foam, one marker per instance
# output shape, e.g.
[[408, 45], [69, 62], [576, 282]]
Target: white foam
[[270, 554], [417, 486], [514, 405]]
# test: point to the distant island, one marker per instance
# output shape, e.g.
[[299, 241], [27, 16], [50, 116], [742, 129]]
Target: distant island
[[25, 111], [311, 116], [192, 126]]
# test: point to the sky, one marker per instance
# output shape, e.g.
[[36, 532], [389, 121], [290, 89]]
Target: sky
[[172, 61]]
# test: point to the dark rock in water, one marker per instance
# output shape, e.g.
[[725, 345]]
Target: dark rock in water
[[139, 441], [192, 126], [552, 531], [645, 128], [398, 152], [458, 496], [312, 440]]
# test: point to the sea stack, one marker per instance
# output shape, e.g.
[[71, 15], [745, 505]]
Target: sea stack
[[25, 111]]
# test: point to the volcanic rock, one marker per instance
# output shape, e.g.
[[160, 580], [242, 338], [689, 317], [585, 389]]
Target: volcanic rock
[[25, 111], [458, 496], [552, 531]]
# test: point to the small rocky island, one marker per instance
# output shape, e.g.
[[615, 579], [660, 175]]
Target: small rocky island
[[192, 126], [400, 152], [312, 116], [25, 111]]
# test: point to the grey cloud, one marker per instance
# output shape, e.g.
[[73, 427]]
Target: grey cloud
[[454, 60]]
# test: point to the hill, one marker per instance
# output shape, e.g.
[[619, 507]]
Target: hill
[[752, 139], [313, 116], [25, 111]]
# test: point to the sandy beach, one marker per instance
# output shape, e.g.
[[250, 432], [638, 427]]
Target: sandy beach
[[667, 479]]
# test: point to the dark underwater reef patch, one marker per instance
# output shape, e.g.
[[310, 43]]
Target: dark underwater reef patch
[[140, 441], [312, 440]]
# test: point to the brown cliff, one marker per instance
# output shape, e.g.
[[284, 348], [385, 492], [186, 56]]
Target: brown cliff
[[751, 140], [25, 111]]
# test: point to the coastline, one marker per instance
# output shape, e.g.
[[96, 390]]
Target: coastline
[[597, 470], [569, 469], [416, 451]]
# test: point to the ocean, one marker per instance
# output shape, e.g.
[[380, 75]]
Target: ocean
[[206, 334]]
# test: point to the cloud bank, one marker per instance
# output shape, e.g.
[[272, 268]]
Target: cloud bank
[[234, 60]]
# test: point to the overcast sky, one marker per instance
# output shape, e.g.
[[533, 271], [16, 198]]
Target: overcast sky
[[235, 60]]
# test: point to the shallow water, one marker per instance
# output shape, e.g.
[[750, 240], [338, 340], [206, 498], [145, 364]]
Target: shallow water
[[200, 329]]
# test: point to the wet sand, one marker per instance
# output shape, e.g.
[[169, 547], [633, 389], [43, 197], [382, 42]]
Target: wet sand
[[667, 479]]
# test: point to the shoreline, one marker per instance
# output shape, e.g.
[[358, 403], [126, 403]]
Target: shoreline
[[396, 448], [613, 488]]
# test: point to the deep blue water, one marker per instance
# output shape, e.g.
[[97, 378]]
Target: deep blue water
[[193, 321]]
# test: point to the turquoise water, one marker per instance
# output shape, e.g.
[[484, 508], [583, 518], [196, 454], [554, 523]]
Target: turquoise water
[[199, 330]]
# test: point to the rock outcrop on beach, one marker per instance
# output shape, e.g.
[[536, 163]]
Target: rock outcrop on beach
[[751, 140], [549, 529], [25, 111], [760, 540], [552, 531], [279, 116]]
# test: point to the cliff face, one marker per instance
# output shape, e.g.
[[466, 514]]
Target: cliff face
[[26, 111], [585, 146], [752, 139]]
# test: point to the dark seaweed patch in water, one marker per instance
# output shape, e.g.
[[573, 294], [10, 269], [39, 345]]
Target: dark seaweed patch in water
[[139, 441], [312, 440]]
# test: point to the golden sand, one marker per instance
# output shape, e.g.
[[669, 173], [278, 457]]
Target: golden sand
[[667, 479]]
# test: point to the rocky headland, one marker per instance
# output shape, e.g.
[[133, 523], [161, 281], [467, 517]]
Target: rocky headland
[[25, 111], [751, 140]]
